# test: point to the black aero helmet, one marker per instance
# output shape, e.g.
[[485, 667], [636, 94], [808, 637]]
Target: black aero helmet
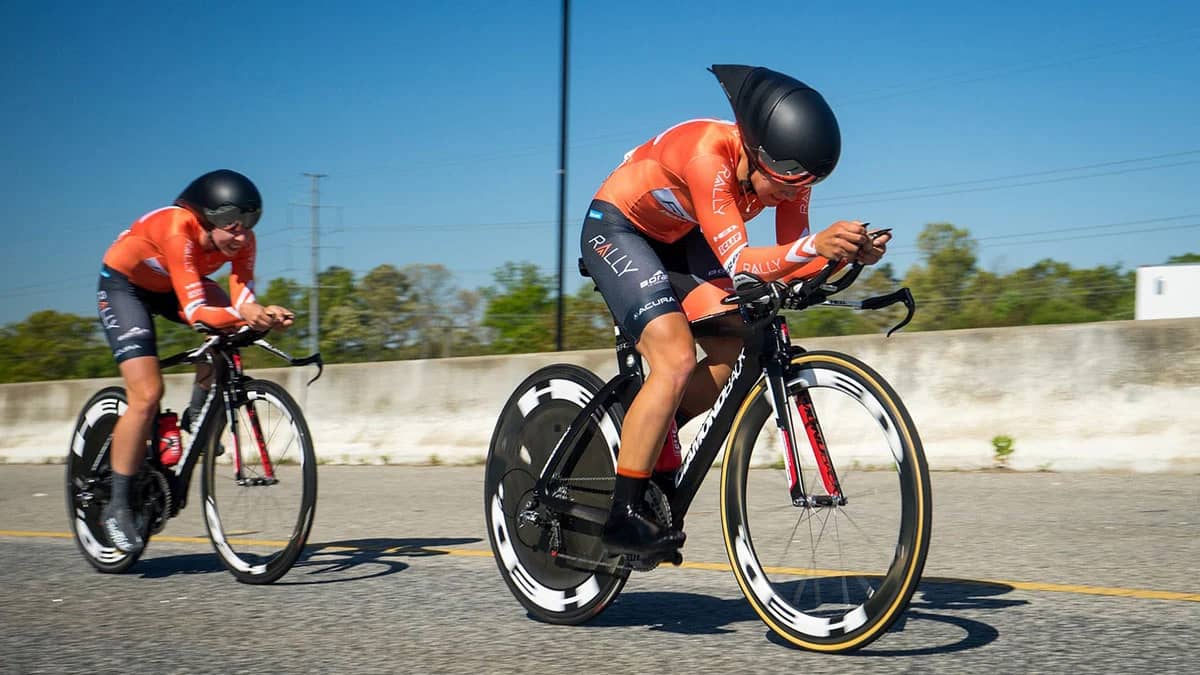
[[788, 129], [221, 199]]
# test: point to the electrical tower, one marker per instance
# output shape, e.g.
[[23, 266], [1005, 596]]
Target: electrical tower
[[314, 308]]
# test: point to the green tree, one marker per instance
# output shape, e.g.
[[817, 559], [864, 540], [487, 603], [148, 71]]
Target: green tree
[[51, 345], [435, 311], [520, 310], [384, 293], [468, 332], [340, 337], [587, 323], [1185, 258], [941, 278]]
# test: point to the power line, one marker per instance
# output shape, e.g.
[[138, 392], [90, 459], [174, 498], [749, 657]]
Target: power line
[[968, 76], [1053, 230], [1018, 176], [1015, 185]]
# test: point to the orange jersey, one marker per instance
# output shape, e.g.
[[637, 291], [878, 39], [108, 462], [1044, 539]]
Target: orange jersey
[[162, 252], [686, 177]]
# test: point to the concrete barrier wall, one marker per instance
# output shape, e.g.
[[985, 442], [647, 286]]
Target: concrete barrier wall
[[1122, 396]]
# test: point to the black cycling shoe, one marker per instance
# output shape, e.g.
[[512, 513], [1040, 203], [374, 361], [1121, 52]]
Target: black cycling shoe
[[629, 530], [122, 530]]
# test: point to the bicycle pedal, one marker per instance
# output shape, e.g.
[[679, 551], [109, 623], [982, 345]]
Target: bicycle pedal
[[645, 563]]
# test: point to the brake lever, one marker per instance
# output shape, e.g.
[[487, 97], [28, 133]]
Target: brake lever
[[310, 359], [901, 296], [314, 358]]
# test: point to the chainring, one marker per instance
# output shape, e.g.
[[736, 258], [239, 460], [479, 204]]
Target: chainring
[[155, 499]]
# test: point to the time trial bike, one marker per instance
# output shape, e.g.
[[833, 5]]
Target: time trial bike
[[824, 498], [259, 483]]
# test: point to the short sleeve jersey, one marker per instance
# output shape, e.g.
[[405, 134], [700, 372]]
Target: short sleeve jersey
[[686, 177], [162, 253]]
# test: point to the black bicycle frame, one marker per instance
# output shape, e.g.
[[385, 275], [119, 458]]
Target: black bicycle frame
[[767, 350], [229, 379], [225, 380], [768, 353]]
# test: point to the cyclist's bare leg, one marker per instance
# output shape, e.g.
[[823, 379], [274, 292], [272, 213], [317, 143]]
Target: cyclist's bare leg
[[667, 345], [205, 377], [710, 375], [204, 373], [144, 390], [204, 382]]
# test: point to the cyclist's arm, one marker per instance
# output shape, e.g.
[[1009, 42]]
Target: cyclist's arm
[[712, 182], [189, 287], [241, 290], [791, 227], [241, 277]]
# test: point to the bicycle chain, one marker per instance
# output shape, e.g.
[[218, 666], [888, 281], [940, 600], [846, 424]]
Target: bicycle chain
[[658, 503]]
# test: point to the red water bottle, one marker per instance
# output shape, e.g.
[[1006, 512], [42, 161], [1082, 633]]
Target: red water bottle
[[170, 445], [671, 455]]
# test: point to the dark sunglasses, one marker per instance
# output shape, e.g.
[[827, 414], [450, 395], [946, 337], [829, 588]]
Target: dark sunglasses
[[787, 171], [229, 216]]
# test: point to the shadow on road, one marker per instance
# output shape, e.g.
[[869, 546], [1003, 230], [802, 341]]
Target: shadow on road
[[684, 613], [363, 558], [321, 563], [936, 600], [169, 566]]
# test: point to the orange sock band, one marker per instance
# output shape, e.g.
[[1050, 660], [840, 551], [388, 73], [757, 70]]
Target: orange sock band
[[632, 473]]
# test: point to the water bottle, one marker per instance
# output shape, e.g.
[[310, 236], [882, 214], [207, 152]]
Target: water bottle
[[170, 445], [671, 455]]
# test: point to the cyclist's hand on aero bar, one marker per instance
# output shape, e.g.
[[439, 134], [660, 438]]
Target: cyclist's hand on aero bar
[[265, 318], [281, 316], [841, 241], [875, 247]]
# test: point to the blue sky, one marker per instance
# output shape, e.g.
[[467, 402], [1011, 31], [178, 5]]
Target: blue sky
[[437, 124]]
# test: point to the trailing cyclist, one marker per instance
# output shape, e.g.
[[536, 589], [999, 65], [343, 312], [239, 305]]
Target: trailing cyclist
[[160, 266], [665, 240]]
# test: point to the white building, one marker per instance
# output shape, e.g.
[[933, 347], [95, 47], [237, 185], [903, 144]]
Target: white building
[[1167, 291]]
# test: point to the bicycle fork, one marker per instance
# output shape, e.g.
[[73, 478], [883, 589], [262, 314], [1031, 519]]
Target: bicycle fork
[[268, 471], [782, 403]]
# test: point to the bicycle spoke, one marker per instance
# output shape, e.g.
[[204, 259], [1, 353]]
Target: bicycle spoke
[[841, 550], [261, 518]]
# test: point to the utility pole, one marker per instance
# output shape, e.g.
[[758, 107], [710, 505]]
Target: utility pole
[[314, 320], [562, 171]]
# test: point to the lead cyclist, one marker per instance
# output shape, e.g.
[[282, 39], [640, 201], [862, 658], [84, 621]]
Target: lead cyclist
[[665, 240]]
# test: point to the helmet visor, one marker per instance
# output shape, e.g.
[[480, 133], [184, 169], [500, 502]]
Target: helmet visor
[[786, 171], [229, 216]]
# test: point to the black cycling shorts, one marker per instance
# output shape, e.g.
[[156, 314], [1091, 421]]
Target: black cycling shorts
[[127, 313], [642, 278]]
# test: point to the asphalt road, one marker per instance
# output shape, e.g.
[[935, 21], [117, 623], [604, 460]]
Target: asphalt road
[[1040, 572]]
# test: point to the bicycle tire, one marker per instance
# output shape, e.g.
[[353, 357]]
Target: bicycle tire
[[552, 588], [848, 606], [253, 543], [88, 481]]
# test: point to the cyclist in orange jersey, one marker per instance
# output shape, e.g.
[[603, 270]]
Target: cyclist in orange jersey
[[665, 239], [159, 266]]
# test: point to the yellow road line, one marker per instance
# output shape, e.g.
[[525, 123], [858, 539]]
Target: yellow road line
[[1138, 593]]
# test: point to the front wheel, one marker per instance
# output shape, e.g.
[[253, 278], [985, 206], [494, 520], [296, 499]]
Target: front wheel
[[554, 564], [259, 510], [830, 573]]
